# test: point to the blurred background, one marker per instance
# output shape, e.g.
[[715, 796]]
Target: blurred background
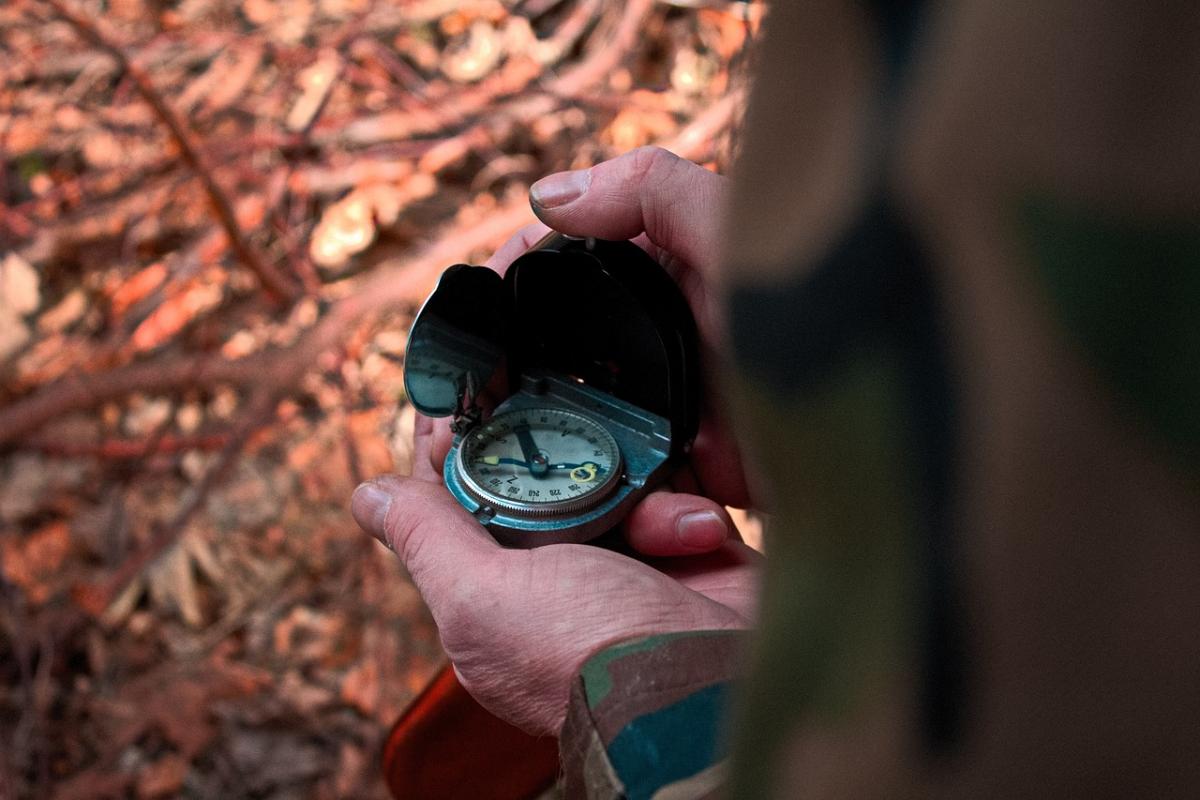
[[217, 218]]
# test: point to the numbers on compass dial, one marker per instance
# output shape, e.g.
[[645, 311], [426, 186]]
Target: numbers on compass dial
[[539, 457]]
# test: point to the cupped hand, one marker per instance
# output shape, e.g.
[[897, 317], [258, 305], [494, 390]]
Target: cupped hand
[[671, 208], [518, 624]]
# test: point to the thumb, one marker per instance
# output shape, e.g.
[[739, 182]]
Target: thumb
[[674, 202], [666, 523], [434, 536]]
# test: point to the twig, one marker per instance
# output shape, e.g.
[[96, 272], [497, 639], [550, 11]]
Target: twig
[[503, 94], [609, 55], [277, 286], [405, 281], [97, 598], [697, 138], [125, 449]]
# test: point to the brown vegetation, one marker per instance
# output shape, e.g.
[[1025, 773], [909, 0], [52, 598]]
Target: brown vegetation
[[216, 219]]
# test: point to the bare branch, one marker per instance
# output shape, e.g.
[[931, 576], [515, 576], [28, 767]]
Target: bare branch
[[403, 282], [277, 286], [125, 449]]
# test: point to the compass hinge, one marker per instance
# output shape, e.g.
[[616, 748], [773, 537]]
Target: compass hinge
[[467, 412]]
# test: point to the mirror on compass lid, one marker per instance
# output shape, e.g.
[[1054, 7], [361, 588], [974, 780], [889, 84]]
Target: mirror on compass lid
[[601, 357], [457, 344]]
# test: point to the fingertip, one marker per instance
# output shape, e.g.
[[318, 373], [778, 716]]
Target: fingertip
[[516, 246], [558, 190], [416, 517], [701, 530], [369, 505], [443, 440], [668, 524]]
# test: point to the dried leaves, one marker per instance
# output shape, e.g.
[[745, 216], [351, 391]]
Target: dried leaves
[[349, 226], [187, 607], [19, 296]]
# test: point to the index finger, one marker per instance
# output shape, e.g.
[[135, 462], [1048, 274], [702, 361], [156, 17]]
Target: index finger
[[516, 246]]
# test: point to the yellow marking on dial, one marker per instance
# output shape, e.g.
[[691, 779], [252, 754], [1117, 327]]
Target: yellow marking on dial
[[585, 473], [493, 460]]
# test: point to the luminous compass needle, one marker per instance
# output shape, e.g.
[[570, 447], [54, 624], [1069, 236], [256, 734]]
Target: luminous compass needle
[[586, 464], [537, 463], [493, 461]]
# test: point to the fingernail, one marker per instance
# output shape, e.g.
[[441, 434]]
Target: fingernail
[[370, 505], [561, 188], [700, 529]]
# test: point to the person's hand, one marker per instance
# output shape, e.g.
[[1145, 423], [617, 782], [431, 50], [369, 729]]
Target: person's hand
[[671, 208], [518, 624]]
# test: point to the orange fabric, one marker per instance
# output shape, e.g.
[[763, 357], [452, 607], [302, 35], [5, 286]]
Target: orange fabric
[[446, 745]]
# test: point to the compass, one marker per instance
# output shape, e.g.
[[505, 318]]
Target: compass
[[571, 384], [540, 462]]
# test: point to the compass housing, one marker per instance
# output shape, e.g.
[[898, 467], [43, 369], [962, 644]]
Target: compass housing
[[592, 326]]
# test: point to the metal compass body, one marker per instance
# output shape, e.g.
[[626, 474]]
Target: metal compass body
[[585, 355]]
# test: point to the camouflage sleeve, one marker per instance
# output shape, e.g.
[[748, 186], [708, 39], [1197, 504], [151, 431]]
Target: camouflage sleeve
[[644, 718], [960, 288]]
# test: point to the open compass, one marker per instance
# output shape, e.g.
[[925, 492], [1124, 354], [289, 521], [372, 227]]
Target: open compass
[[590, 351]]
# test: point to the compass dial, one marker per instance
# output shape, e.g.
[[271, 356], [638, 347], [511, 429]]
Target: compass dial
[[539, 461]]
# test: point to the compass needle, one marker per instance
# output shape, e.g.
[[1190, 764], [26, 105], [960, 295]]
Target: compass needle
[[575, 470]]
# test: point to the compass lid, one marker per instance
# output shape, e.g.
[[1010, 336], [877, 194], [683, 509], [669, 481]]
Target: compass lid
[[456, 342], [601, 312]]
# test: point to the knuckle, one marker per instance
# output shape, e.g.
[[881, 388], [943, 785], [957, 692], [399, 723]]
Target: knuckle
[[531, 233], [399, 528], [652, 163], [405, 524]]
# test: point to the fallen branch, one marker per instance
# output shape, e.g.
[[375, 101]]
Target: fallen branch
[[406, 281], [504, 94], [125, 449], [696, 139], [96, 598], [277, 286]]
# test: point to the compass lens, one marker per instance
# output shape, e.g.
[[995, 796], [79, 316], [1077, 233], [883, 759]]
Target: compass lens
[[540, 461]]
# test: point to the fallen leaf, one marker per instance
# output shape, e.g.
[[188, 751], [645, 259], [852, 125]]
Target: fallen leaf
[[348, 226], [33, 562], [65, 314], [145, 415], [14, 333], [315, 83], [305, 698], [163, 777], [307, 635], [19, 286], [632, 128], [368, 429], [475, 55], [360, 687], [175, 698], [136, 287], [172, 585], [174, 314]]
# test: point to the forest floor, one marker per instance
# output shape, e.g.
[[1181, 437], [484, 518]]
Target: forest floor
[[217, 218]]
